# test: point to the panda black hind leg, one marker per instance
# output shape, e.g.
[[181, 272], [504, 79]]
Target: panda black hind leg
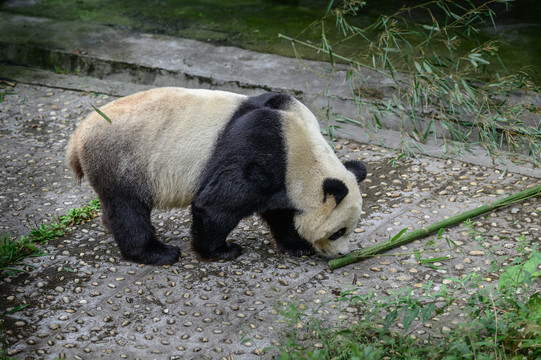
[[128, 219], [285, 236]]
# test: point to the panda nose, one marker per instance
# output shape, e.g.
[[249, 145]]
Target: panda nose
[[341, 254]]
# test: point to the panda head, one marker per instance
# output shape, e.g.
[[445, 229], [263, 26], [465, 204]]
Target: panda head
[[328, 223]]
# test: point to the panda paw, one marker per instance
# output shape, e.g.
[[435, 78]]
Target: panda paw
[[156, 254], [228, 251], [167, 255]]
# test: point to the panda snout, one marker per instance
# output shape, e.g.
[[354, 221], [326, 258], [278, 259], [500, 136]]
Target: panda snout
[[343, 248], [332, 249]]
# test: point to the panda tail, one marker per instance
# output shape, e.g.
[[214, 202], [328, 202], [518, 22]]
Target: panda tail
[[73, 160]]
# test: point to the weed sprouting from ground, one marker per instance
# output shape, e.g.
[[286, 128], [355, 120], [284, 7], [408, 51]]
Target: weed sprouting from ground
[[501, 323], [14, 250], [449, 84], [78, 215]]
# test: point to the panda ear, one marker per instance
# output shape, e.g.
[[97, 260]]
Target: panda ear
[[336, 188], [357, 168], [277, 101]]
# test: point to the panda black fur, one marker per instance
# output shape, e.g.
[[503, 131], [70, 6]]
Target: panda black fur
[[228, 156]]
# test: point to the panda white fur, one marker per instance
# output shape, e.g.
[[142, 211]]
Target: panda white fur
[[228, 156]]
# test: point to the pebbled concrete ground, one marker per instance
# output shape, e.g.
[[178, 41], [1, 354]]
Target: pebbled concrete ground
[[84, 302]]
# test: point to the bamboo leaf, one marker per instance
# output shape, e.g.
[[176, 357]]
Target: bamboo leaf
[[468, 89], [378, 123], [427, 67], [102, 114], [399, 234], [391, 68], [353, 121], [431, 260], [17, 308], [329, 6], [431, 27], [428, 130]]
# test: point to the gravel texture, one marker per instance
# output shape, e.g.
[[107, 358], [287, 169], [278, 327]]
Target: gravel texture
[[85, 302]]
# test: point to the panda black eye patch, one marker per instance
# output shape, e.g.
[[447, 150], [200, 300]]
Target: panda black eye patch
[[338, 234]]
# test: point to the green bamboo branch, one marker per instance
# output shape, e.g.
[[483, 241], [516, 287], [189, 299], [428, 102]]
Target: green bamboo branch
[[343, 58], [419, 233]]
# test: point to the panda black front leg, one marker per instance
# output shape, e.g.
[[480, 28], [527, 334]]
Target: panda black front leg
[[285, 236], [209, 232], [129, 221]]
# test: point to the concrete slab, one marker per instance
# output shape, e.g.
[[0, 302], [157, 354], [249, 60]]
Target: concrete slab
[[105, 52], [157, 60]]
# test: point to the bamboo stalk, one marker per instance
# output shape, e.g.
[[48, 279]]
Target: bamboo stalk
[[419, 233]]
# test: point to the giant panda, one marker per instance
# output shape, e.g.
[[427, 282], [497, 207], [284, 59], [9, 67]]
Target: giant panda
[[228, 156]]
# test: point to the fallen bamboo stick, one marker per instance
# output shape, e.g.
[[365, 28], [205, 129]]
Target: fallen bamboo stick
[[419, 233]]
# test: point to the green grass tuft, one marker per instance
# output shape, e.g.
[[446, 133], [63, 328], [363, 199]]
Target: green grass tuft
[[14, 250]]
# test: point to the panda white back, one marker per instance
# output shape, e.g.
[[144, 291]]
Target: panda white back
[[172, 131], [191, 122]]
